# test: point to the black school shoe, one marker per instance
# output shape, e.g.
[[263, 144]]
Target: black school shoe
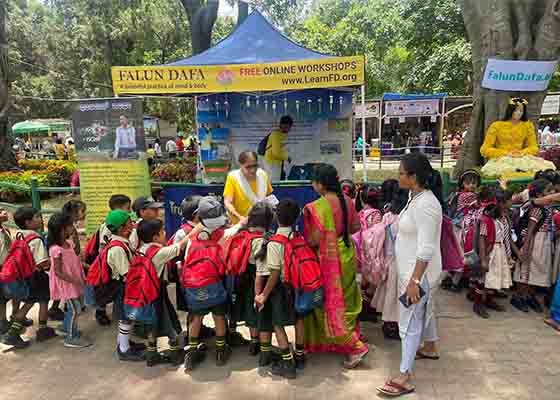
[[15, 341], [139, 347], [519, 303], [56, 314], [223, 355], [236, 339], [193, 357], [480, 310], [102, 318], [285, 368], [154, 358], [44, 334], [129, 355], [534, 304]]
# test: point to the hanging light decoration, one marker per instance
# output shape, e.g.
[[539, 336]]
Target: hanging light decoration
[[217, 105], [265, 105], [331, 102], [297, 107], [226, 107], [248, 101], [286, 104], [320, 105], [309, 106], [274, 106], [257, 101]]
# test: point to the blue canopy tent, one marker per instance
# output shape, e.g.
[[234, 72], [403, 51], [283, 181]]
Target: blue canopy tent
[[255, 60]]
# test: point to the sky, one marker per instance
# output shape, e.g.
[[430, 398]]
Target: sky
[[226, 10]]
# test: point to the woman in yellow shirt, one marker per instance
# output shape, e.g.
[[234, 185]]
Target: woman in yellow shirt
[[276, 154], [245, 187], [59, 149], [514, 137]]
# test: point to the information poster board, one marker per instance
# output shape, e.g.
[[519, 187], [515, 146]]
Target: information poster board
[[321, 132], [111, 151]]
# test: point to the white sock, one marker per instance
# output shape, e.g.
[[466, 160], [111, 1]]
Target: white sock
[[123, 337]]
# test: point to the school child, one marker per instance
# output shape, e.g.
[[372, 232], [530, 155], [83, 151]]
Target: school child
[[107, 278], [273, 299], [116, 202], [145, 295], [385, 299], [463, 209], [146, 208], [348, 188], [495, 251], [202, 279], [241, 268], [189, 221], [27, 259], [76, 209], [5, 243], [534, 229], [66, 276]]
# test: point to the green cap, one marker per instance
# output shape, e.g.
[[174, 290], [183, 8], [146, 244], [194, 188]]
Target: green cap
[[117, 218]]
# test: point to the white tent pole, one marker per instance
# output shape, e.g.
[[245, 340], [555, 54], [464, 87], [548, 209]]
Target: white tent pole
[[364, 132]]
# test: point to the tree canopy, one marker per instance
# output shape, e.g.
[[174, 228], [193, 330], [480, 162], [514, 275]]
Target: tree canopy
[[64, 48]]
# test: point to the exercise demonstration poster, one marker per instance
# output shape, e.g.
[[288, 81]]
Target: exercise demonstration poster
[[111, 151]]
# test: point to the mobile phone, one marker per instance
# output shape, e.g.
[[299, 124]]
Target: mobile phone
[[404, 299]]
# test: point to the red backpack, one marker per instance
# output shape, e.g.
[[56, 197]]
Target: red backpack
[[302, 269], [172, 265], [238, 251], [100, 272], [19, 263], [91, 251], [204, 264], [142, 285]]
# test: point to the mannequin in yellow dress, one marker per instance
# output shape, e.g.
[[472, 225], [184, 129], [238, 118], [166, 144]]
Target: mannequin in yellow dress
[[514, 137]]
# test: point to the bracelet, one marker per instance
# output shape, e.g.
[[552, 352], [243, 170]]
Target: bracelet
[[415, 281]]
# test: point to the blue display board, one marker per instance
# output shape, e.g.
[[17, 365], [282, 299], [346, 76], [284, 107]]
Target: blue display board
[[301, 193]]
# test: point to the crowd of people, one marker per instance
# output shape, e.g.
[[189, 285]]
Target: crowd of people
[[364, 251]]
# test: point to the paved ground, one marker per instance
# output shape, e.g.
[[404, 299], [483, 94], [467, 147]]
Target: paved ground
[[510, 356]]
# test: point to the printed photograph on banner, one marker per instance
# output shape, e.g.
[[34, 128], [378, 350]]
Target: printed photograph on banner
[[109, 129], [242, 121]]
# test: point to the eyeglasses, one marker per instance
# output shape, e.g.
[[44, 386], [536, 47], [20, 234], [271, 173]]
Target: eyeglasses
[[252, 166]]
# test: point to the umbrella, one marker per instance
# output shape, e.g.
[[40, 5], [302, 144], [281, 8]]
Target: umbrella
[[21, 128]]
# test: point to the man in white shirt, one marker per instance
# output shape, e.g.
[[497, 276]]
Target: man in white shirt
[[170, 146], [125, 143]]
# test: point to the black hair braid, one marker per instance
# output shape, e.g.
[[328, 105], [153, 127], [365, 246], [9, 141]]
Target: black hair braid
[[344, 206], [261, 254]]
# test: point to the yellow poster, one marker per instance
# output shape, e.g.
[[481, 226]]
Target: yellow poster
[[289, 75], [100, 180]]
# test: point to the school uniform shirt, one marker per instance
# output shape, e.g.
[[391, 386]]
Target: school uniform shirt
[[5, 243], [275, 255], [162, 257], [37, 247], [118, 259]]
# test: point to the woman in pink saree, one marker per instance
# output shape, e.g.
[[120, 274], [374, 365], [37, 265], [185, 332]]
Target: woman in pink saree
[[329, 223]]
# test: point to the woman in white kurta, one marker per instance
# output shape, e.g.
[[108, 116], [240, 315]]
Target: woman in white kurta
[[418, 258]]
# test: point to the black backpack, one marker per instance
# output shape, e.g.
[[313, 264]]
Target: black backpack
[[520, 219], [263, 144]]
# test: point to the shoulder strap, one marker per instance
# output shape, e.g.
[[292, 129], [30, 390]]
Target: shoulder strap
[[118, 243], [31, 237], [279, 239]]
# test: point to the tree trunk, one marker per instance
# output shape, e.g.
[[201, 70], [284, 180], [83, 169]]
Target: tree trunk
[[242, 11], [505, 29], [202, 16], [7, 157]]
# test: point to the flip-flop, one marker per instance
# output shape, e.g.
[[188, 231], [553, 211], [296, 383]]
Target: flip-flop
[[552, 324], [423, 356], [401, 389]]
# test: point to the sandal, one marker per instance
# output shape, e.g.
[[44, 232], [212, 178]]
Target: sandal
[[423, 356], [402, 390], [553, 324]]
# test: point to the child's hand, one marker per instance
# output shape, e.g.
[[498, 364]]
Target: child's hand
[[260, 299], [503, 183]]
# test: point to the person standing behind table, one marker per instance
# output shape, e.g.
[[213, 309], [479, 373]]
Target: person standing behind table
[[418, 256], [276, 154], [179, 143], [59, 149], [125, 142], [171, 148], [157, 148], [245, 187]]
